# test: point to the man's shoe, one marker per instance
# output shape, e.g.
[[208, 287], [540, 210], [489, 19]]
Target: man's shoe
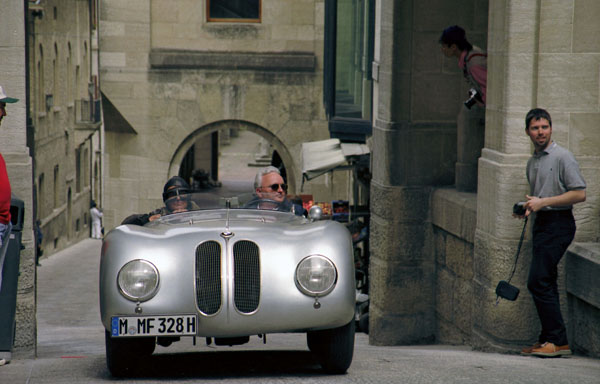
[[551, 350], [527, 350]]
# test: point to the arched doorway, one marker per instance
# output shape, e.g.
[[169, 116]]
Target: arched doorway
[[208, 136]]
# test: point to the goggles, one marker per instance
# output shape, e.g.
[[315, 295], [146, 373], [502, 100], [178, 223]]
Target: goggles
[[176, 192]]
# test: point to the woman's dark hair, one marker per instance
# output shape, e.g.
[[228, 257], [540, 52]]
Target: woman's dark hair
[[537, 113], [455, 35]]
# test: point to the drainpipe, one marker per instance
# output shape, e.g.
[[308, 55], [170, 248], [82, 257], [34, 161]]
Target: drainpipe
[[30, 129]]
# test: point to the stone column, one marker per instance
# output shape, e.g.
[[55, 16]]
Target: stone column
[[540, 54], [18, 163], [470, 131], [401, 273], [511, 51]]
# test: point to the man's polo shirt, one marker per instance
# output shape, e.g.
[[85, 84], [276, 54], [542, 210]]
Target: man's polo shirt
[[552, 172]]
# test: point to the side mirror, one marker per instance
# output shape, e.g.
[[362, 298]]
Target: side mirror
[[315, 213]]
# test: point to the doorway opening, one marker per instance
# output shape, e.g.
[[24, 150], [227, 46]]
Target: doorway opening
[[226, 161]]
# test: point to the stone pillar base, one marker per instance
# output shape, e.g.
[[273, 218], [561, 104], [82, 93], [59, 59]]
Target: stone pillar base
[[401, 271]]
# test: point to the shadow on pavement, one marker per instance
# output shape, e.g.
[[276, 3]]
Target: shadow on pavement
[[228, 364]]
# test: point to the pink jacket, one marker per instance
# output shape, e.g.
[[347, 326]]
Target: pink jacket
[[474, 67]]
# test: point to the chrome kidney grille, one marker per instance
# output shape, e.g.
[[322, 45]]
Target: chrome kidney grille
[[246, 268], [208, 277], [246, 272]]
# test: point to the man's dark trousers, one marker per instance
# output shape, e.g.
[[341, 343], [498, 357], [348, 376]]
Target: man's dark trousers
[[553, 231]]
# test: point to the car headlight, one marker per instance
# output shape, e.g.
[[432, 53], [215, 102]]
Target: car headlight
[[138, 280], [316, 275]]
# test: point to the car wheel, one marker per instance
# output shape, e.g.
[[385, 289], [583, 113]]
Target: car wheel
[[124, 355], [333, 348]]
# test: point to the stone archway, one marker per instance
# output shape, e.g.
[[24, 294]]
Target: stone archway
[[277, 144]]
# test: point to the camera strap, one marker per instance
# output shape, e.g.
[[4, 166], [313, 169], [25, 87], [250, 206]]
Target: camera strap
[[518, 250], [512, 273]]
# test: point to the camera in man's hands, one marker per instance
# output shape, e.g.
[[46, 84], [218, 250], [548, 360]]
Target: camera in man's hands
[[519, 209], [474, 97]]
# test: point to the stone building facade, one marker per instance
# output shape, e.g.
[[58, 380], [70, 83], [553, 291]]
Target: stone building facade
[[13, 146], [172, 77], [438, 252], [52, 141], [65, 118]]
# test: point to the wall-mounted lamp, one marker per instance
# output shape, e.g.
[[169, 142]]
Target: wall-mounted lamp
[[49, 102]]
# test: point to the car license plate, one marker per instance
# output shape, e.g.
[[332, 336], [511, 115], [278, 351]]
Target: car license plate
[[180, 325]]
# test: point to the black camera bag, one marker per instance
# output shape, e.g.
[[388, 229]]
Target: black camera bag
[[507, 291]]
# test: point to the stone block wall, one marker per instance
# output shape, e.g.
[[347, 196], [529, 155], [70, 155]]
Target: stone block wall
[[453, 219], [583, 290], [175, 77], [401, 270], [286, 25], [458, 308]]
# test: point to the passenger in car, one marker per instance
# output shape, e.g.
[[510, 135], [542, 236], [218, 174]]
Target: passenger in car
[[175, 193], [176, 196]]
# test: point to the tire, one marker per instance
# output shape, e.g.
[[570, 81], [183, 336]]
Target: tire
[[125, 355], [333, 348]]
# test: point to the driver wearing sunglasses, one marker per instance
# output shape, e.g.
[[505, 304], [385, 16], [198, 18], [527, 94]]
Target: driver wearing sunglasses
[[269, 184], [271, 193]]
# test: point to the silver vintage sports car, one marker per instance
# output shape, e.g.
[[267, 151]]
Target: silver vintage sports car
[[226, 270]]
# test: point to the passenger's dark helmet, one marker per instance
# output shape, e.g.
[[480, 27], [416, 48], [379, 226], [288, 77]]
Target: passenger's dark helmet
[[175, 186]]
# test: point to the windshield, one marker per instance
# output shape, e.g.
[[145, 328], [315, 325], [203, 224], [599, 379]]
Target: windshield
[[208, 201]]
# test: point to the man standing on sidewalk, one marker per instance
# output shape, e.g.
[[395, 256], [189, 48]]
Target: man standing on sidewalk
[[556, 184]]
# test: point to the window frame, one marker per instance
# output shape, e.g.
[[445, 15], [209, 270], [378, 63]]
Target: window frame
[[347, 129], [233, 20]]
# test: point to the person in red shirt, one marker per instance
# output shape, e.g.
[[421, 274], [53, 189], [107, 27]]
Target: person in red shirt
[[5, 225]]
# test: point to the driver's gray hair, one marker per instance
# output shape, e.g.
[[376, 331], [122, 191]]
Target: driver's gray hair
[[262, 172]]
